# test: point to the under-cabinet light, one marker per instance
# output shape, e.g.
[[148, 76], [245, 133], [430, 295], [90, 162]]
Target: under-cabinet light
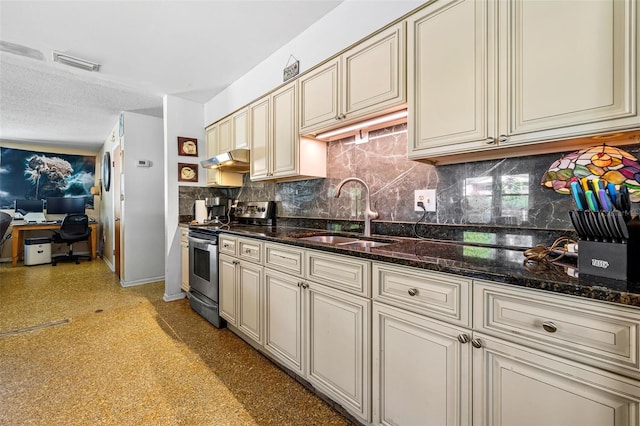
[[397, 116], [75, 62]]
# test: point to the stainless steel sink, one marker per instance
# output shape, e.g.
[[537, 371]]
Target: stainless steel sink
[[363, 244], [339, 240], [329, 239]]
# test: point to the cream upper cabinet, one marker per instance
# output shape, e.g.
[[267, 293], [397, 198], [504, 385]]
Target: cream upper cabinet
[[449, 78], [260, 139], [367, 79], [523, 72], [240, 125], [284, 138], [572, 68], [216, 177], [229, 133], [211, 135], [320, 97], [277, 151], [225, 135]]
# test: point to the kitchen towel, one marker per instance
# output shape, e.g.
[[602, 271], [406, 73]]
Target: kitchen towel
[[201, 211]]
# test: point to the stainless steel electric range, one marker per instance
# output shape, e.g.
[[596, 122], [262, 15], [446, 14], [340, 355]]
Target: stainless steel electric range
[[204, 279]]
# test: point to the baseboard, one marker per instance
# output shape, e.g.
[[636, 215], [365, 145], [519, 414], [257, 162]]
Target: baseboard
[[142, 281], [174, 297]]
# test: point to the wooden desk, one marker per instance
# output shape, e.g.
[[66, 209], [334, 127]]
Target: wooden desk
[[17, 239]]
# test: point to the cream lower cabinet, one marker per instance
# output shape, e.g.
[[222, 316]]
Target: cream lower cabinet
[[184, 257], [514, 385], [422, 370], [339, 347], [530, 357], [320, 332], [241, 295], [524, 73]]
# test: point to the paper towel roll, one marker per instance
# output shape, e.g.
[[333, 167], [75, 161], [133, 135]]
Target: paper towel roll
[[201, 211]]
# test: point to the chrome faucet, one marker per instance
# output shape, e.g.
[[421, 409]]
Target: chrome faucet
[[368, 213]]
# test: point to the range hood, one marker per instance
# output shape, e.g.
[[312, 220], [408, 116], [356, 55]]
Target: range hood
[[236, 160]]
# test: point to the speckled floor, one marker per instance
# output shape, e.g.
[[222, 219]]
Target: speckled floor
[[77, 349]]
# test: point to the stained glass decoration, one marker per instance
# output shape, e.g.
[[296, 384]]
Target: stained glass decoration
[[604, 162]]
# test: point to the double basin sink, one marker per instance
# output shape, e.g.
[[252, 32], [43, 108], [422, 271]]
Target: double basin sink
[[342, 241]]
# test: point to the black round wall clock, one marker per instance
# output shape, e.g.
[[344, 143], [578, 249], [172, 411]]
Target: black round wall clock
[[106, 171]]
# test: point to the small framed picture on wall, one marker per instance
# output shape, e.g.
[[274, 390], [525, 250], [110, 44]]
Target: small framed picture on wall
[[187, 172], [187, 146]]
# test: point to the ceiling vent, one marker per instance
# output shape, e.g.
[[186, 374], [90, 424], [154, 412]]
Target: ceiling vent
[[72, 61]]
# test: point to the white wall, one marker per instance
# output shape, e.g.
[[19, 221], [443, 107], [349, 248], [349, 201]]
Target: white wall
[[345, 25], [181, 118], [106, 206], [143, 213]]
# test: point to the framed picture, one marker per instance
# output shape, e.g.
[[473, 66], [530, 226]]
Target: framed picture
[[187, 172], [187, 146]]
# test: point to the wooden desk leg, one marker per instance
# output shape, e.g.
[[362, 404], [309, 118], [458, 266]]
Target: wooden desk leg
[[94, 241], [15, 246]]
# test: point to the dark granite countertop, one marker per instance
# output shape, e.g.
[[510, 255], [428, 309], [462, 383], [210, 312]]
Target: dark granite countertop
[[503, 265]]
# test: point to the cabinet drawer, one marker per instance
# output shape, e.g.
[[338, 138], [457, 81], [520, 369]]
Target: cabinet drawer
[[284, 258], [227, 244], [592, 332], [250, 250], [442, 296], [341, 272], [185, 236]]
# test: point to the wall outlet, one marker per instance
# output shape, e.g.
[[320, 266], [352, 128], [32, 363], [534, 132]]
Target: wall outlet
[[428, 198]]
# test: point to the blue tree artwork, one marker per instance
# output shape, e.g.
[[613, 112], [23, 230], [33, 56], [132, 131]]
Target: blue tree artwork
[[35, 175]]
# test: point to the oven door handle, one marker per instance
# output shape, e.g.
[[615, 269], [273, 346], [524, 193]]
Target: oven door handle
[[199, 242]]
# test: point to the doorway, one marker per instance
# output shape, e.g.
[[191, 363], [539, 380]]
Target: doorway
[[118, 199]]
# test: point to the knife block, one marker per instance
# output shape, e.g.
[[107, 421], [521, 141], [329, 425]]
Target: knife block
[[611, 260]]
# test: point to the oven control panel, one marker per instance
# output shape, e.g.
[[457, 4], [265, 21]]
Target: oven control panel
[[255, 210]]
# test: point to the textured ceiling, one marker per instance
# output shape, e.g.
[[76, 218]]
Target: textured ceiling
[[191, 49]]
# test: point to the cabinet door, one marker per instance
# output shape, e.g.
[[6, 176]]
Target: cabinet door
[[339, 354], [259, 130], [228, 289], [374, 73], [184, 284], [449, 95], [513, 386], [212, 149], [421, 372], [250, 293], [240, 124], [568, 63], [283, 334], [225, 136], [284, 141], [320, 97]]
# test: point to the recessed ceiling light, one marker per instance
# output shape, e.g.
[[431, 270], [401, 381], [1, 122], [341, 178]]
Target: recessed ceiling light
[[75, 62]]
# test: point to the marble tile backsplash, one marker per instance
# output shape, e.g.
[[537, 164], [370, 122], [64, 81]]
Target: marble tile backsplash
[[497, 192]]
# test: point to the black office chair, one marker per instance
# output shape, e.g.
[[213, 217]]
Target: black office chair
[[74, 228]]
